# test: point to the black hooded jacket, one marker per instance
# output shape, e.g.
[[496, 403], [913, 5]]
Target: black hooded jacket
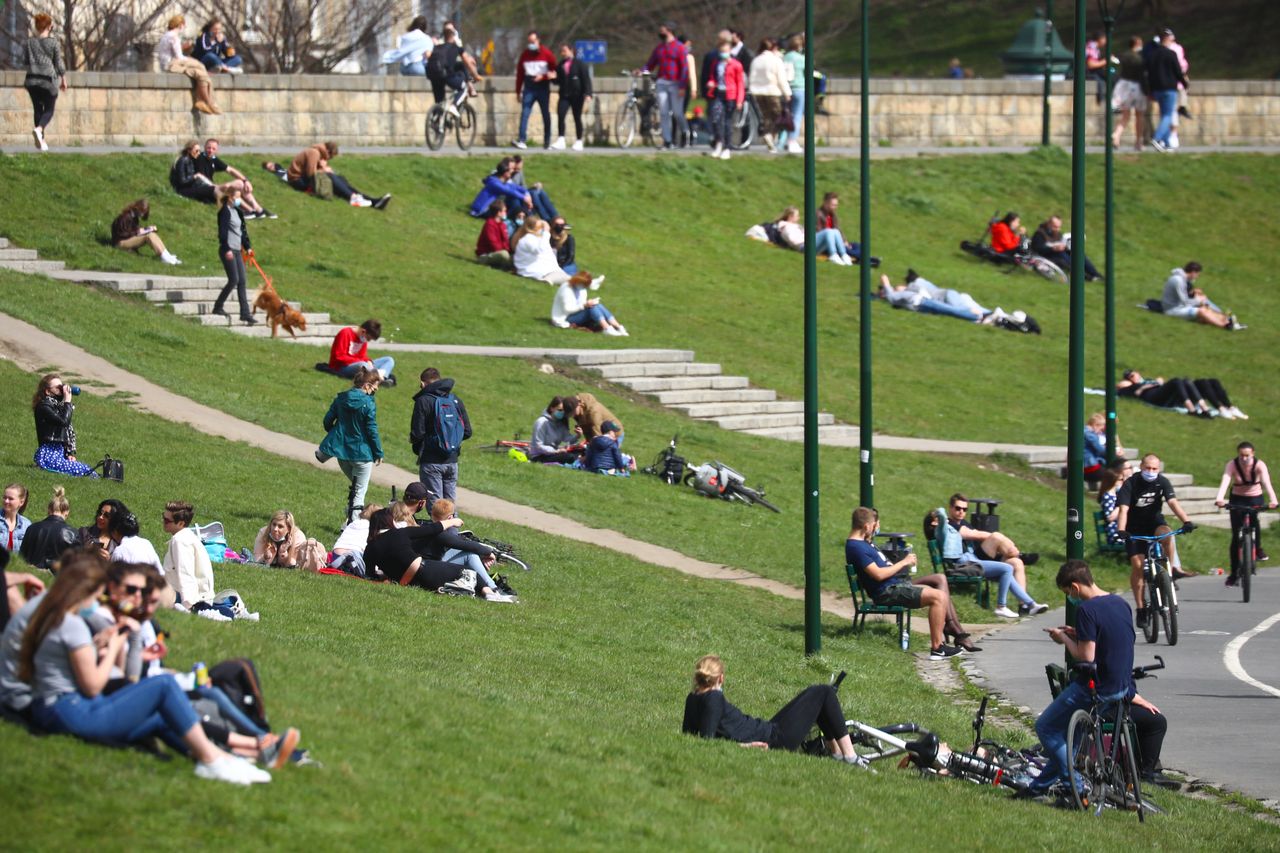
[[422, 427]]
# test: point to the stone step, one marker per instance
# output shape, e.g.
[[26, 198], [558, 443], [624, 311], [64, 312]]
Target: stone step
[[703, 395], [1196, 507], [205, 308], [177, 297], [1222, 519], [743, 422], [840, 435], [7, 254], [1181, 482], [131, 282], [714, 410], [646, 384], [1196, 493], [625, 356], [262, 330], [33, 266], [313, 320], [4, 242], [658, 368]]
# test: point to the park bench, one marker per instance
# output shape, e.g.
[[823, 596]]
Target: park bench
[[980, 586], [863, 607], [1100, 531]]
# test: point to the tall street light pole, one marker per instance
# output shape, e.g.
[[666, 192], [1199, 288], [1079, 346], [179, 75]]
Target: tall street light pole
[[1109, 23], [1075, 373], [1048, 72], [865, 431], [812, 551]]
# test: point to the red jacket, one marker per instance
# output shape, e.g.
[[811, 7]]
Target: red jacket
[[493, 237], [347, 349], [1003, 239], [734, 90], [540, 61]]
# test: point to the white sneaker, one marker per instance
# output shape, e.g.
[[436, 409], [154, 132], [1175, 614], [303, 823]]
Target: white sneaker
[[235, 70], [451, 109], [1004, 613], [519, 144], [170, 258], [793, 147], [558, 145], [1226, 414], [623, 333], [1235, 410], [596, 282], [1037, 609], [231, 769], [38, 137], [577, 145], [500, 598], [715, 152], [612, 332], [724, 154], [358, 200], [213, 615]]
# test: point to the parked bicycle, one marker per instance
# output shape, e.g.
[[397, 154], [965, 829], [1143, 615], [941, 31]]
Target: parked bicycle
[[638, 117], [1246, 556], [1159, 597], [1103, 768], [461, 120], [713, 479], [745, 128], [1023, 258]]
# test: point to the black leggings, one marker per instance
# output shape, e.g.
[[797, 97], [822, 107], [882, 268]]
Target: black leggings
[[433, 574], [1174, 392], [42, 102], [1151, 729], [819, 704], [1237, 521], [236, 281], [1212, 392], [563, 106], [560, 457], [343, 190]]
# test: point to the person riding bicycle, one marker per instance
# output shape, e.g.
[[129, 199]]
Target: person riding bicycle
[[1007, 234], [1140, 500], [1102, 635], [1246, 475], [450, 65]]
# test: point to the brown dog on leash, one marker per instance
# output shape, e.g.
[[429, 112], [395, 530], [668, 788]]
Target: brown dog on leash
[[279, 313]]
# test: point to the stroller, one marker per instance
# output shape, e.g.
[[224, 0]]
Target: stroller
[[1023, 258]]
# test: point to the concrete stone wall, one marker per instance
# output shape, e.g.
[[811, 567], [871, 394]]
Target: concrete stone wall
[[268, 110]]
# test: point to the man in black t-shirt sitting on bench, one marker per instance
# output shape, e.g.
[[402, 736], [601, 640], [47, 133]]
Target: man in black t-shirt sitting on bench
[[1140, 500]]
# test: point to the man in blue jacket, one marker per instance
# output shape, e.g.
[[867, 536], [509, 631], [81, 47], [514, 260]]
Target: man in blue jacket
[[436, 432]]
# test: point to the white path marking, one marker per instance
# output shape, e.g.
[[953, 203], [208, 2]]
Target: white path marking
[[1231, 656]]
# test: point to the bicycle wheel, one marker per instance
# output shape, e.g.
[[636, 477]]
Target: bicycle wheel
[[1084, 756], [651, 126], [1152, 630], [466, 126], [1047, 269], [627, 125], [1129, 793], [1168, 611], [1246, 563], [745, 127], [435, 127]]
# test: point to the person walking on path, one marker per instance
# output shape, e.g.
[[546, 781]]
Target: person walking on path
[[574, 80], [535, 70], [726, 92], [1246, 476], [46, 75], [233, 249], [770, 89], [671, 63], [794, 58], [1130, 95], [1164, 75], [350, 352], [352, 436], [172, 59], [436, 432]]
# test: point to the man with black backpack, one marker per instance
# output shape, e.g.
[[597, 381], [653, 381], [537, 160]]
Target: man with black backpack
[[436, 432]]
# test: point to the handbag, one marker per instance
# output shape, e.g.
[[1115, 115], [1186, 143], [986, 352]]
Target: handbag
[[112, 469], [787, 121]]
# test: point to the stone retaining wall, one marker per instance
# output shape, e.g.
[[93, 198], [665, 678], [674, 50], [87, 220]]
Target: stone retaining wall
[[286, 110]]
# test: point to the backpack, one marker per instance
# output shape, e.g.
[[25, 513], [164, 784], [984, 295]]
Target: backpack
[[312, 557], [447, 417], [238, 678]]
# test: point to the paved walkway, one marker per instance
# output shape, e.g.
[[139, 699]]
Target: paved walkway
[[34, 350]]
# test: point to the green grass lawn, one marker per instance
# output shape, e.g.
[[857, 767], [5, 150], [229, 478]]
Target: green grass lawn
[[551, 724]]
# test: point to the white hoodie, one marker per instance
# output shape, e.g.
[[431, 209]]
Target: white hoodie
[[569, 300]]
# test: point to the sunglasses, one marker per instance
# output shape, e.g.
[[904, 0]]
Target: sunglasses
[[955, 507], [167, 520], [130, 589]]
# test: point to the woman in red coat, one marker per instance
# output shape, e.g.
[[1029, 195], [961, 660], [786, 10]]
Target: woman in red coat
[[726, 92]]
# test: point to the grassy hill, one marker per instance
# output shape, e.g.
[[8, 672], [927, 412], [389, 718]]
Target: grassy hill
[[552, 724]]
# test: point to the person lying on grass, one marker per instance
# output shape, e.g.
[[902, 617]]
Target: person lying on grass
[[708, 714], [68, 668], [393, 553], [279, 543]]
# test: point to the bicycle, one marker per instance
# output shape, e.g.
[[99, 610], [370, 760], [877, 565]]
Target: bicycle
[[745, 127], [1160, 597], [1102, 771], [1023, 258], [440, 121], [713, 479], [1246, 562], [638, 115]]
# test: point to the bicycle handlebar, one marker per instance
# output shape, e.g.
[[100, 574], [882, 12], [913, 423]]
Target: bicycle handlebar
[[1138, 538], [1145, 671], [1252, 510]]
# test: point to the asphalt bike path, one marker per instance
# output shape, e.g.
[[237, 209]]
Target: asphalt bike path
[[1220, 688]]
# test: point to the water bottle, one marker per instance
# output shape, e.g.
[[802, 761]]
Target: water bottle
[[906, 638], [75, 390], [1216, 570], [201, 672]]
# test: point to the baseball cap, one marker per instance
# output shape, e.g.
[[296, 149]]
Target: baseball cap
[[415, 492], [610, 426]]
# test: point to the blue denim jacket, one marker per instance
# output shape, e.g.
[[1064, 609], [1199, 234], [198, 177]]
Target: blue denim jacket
[[19, 531]]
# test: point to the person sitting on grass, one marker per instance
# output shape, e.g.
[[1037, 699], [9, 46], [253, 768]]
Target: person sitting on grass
[[1181, 299], [279, 543], [590, 415], [186, 179], [97, 535], [986, 544], [47, 540], [498, 185], [127, 232], [785, 231], [1001, 572], [709, 715], [1007, 235], [891, 585], [13, 524], [55, 435], [187, 568], [572, 309], [349, 353], [538, 199], [565, 246], [68, 668], [534, 257], [603, 455], [1049, 243], [311, 172], [131, 545], [348, 551], [551, 434], [208, 164], [492, 246], [452, 547], [919, 294]]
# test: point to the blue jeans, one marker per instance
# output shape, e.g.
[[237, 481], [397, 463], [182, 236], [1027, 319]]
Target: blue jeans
[[358, 473], [1168, 101], [153, 706], [1051, 727], [594, 317], [570, 268], [383, 365], [830, 242], [933, 306], [413, 69], [1002, 573], [539, 93], [441, 478], [797, 118], [237, 717], [213, 62], [542, 204], [670, 104], [472, 562]]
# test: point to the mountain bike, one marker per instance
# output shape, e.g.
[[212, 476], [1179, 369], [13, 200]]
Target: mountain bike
[[440, 120], [1022, 258], [1160, 596], [638, 116], [1246, 558], [1103, 768]]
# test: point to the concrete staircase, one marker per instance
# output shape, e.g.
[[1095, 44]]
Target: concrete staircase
[[189, 296]]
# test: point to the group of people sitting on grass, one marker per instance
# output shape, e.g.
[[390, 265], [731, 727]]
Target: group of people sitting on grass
[[593, 444], [1009, 237], [311, 172], [787, 231]]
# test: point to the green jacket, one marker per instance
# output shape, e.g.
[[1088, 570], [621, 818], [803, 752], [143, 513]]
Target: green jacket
[[352, 424]]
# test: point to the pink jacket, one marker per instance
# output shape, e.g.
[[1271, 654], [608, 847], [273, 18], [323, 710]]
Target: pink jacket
[[735, 89]]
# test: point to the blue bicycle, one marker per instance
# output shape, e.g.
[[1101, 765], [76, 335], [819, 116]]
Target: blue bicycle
[[1160, 596]]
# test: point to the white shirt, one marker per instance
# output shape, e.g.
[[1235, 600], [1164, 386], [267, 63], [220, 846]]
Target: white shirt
[[187, 567], [168, 49], [535, 258], [769, 76], [414, 46], [569, 300], [353, 537]]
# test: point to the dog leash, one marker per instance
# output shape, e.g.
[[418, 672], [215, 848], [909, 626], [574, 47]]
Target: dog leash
[[253, 259]]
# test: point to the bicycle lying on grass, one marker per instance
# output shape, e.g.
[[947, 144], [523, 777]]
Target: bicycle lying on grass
[[1159, 596], [1022, 258], [713, 479]]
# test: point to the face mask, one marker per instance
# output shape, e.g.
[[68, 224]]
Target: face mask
[[1150, 476], [558, 415], [87, 612], [236, 202], [533, 45], [557, 228], [724, 54], [1074, 600]]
